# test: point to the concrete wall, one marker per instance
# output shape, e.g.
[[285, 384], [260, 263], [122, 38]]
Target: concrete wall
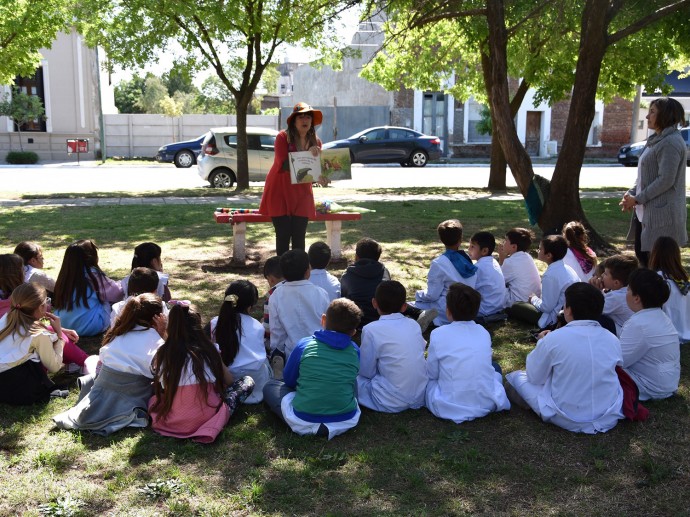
[[141, 135], [344, 121]]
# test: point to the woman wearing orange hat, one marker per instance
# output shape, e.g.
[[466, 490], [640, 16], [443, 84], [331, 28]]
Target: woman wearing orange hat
[[290, 206]]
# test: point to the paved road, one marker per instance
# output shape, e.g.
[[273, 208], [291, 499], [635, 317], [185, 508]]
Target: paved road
[[88, 177]]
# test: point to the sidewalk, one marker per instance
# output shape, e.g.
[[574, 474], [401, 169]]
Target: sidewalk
[[246, 200]]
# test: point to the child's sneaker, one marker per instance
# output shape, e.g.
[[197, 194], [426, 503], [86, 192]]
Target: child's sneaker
[[277, 364], [63, 394], [426, 317]]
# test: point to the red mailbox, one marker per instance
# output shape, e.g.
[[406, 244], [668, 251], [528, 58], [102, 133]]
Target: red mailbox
[[77, 145]]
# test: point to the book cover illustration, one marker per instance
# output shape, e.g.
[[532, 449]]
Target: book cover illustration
[[331, 165]]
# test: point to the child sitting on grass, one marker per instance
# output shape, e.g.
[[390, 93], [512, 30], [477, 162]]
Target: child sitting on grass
[[519, 270], [454, 265], [194, 394], [570, 378], [543, 311], [141, 280], [274, 277], [32, 255], [649, 341], [392, 372], [464, 383], [665, 260], [580, 257], [319, 257], [613, 282], [490, 283], [318, 393]]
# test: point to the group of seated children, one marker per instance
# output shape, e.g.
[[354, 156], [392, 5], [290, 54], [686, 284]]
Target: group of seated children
[[302, 362]]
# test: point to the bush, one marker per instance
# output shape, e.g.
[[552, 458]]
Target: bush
[[21, 157]]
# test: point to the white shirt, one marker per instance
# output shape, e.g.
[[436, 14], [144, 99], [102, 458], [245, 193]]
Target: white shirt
[[252, 353], [463, 384], [651, 353], [521, 276], [327, 282], [38, 276], [557, 278], [441, 275], [574, 368], [616, 308], [296, 310], [392, 370], [571, 260], [491, 285], [677, 308], [132, 352]]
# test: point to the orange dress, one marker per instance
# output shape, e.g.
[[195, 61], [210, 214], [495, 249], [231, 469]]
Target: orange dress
[[280, 196]]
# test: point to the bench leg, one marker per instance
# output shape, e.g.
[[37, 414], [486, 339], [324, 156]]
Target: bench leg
[[333, 238], [239, 241]]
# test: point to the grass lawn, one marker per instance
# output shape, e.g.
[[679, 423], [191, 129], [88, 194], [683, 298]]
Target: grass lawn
[[405, 464]]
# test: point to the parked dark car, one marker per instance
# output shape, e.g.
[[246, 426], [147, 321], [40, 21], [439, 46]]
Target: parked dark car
[[388, 144], [182, 154], [629, 155]]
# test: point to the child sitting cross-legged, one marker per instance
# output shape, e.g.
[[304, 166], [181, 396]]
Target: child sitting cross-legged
[[318, 393], [543, 311], [454, 265], [490, 283], [570, 379], [296, 308], [141, 280], [392, 372], [651, 351], [613, 282], [464, 383], [665, 260]]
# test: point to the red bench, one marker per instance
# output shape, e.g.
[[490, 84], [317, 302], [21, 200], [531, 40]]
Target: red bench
[[239, 230]]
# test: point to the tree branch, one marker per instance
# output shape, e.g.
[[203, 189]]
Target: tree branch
[[647, 20]]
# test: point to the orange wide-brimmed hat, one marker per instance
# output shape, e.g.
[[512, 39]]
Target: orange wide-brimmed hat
[[303, 107]]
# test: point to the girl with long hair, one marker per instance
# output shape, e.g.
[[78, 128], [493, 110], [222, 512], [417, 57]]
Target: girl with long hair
[[580, 256], [28, 348], [11, 277], [191, 395], [148, 254], [117, 396], [241, 337], [83, 292], [665, 259]]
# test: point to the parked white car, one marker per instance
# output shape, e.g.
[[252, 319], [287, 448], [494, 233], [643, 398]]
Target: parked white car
[[218, 159]]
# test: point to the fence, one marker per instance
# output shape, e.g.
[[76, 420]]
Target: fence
[[139, 135]]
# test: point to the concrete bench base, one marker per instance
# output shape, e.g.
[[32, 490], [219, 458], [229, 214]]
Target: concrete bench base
[[239, 231]]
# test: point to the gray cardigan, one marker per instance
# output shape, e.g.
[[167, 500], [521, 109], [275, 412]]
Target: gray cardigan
[[661, 174]]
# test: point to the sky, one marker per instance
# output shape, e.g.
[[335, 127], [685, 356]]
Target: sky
[[348, 25]]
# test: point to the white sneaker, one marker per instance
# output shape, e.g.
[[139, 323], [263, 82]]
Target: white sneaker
[[426, 317]]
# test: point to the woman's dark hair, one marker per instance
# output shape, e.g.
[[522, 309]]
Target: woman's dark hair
[[293, 135], [665, 257], [78, 273], [144, 253], [186, 342], [670, 112], [27, 250], [139, 310], [11, 273], [240, 296]]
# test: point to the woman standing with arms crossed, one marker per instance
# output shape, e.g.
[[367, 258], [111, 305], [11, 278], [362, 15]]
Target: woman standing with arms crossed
[[290, 206], [658, 197]]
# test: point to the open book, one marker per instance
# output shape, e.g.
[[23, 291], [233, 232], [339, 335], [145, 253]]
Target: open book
[[331, 164]]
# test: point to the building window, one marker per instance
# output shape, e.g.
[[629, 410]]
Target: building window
[[33, 86]]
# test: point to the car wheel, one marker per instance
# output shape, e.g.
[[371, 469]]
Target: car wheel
[[184, 159], [418, 158], [222, 178]]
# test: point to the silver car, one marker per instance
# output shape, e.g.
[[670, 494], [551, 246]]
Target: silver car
[[218, 159]]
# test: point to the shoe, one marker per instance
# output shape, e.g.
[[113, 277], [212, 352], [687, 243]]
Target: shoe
[[426, 317], [277, 365], [63, 394]]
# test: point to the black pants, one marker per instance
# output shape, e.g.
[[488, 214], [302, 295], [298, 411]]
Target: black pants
[[290, 228], [642, 256]]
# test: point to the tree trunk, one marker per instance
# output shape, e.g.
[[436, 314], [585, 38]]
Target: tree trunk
[[563, 204], [497, 170], [242, 171], [514, 151]]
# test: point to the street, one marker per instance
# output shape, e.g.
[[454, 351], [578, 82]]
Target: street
[[88, 177]]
